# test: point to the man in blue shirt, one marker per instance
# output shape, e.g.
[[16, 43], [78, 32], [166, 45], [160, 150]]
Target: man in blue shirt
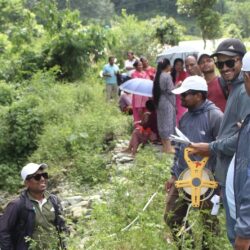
[[110, 72]]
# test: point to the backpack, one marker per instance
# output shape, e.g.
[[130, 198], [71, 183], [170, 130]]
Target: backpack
[[224, 87]]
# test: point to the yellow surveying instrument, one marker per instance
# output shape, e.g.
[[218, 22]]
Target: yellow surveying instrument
[[196, 181]]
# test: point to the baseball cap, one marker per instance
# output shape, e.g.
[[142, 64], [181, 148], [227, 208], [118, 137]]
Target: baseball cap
[[230, 47], [31, 168], [246, 62], [191, 83], [201, 54]]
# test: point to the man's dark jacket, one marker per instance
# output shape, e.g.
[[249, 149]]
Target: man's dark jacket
[[18, 222], [242, 181]]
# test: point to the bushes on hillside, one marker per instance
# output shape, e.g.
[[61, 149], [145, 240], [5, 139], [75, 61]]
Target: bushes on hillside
[[74, 50]]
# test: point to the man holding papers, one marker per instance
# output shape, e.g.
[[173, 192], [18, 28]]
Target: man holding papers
[[200, 123]]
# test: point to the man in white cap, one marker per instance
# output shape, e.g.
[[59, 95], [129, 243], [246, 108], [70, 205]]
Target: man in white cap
[[238, 176], [201, 122], [228, 59], [217, 88], [33, 217]]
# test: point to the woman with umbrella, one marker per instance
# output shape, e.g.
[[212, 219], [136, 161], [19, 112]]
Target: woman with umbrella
[[165, 103], [138, 101]]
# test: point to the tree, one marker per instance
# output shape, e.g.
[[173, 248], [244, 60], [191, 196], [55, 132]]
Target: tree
[[131, 34], [206, 17], [146, 8], [90, 10], [233, 30], [239, 15], [17, 22], [168, 31]]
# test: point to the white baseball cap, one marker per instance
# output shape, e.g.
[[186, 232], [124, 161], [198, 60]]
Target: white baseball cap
[[31, 168], [246, 62], [191, 83]]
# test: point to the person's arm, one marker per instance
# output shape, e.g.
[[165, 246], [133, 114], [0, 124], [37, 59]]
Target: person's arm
[[117, 71], [128, 66], [105, 72], [242, 243], [215, 118], [169, 183], [145, 119], [227, 145], [200, 148], [7, 225]]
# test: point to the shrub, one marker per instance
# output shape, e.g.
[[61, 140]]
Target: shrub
[[6, 94], [74, 50], [10, 177], [24, 123]]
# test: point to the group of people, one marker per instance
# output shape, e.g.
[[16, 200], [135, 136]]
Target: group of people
[[216, 119], [168, 106], [217, 124], [213, 112]]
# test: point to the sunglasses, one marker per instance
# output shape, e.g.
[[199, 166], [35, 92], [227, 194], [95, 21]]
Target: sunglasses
[[38, 177], [189, 92], [229, 63]]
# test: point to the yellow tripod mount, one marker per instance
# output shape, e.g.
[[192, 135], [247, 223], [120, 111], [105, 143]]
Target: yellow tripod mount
[[195, 181]]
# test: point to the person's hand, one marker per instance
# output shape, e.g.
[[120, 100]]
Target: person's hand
[[241, 243], [169, 183], [201, 149], [178, 84], [239, 124]]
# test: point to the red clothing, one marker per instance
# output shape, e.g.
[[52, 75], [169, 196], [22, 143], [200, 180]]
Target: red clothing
[[181, 76], [138, 101], [140, 74], [151, 72], [215, 94], [180, 110], [146, 131]]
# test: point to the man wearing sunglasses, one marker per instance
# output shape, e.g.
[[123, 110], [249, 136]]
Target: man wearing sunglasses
[[200, 123], [228, 59], [217, 88], [33, 217], [237, 182]]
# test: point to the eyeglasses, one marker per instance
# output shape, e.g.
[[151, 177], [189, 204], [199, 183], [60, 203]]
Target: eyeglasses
[[189, 92], [229, 63], [38, 177]]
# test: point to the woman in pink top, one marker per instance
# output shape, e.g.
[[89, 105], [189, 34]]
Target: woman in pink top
[[178, 75], [151, 71], [138, 102]]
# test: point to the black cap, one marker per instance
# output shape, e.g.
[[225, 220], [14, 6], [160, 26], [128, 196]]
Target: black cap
[[230, 47]]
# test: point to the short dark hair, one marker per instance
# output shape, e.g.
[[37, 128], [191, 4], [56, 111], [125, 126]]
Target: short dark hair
[[136, 63], [150, 105], [111, 57], [203, 93]]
